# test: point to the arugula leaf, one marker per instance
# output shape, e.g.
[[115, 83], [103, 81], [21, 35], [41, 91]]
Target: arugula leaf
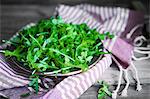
[[104, 90], [34, 82]]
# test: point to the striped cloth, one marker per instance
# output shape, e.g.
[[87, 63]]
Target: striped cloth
[[116, 20], [10, 78]]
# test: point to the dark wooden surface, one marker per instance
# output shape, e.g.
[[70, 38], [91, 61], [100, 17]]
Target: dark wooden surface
[[13, 17], [70, 2]]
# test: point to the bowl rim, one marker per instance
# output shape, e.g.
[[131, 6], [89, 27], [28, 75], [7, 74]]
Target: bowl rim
[[73, 72], [52, 73], [19, 66]]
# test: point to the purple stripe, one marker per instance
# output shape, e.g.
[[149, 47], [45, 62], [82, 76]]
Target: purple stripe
[[11, 76], [3, 79], [15, 64], [9, 70], [100, 69], [78, 90], [74, 18], [54, 95]]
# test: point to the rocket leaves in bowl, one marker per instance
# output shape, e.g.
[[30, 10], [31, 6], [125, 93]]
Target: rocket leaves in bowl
[[53, 45]]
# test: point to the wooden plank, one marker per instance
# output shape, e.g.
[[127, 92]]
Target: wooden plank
[[14, 17], [70, 2], [91, 93]]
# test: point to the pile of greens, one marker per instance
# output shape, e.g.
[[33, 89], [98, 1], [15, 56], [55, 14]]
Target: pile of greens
[[55, 46]]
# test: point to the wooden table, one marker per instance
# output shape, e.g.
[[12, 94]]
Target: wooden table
[[13, 17]]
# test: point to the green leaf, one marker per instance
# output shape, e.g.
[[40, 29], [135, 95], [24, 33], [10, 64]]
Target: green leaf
[[67, 60], [103, 52], [57, 51], [84, 54], [104, 91], [30, 56], [15, 53], [34, 82], [54, 21], [88, 59], [37, 55], [102, 36], [35, 41], [101, 95], [42, 33]]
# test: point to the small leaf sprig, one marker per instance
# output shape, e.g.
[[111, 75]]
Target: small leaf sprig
[[104, 90]]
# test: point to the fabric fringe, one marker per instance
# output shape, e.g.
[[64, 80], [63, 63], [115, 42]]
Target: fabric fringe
[[125, 71]]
